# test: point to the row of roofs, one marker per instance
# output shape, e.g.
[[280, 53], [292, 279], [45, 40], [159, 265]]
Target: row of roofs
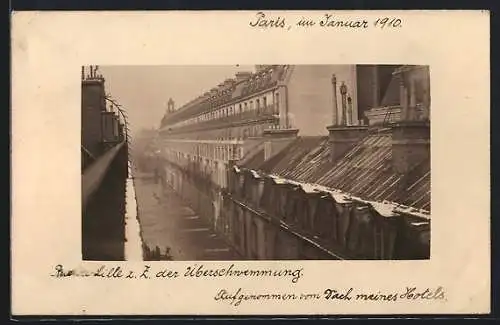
[[231, 90], [364, 175]]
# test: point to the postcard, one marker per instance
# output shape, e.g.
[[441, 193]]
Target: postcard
[[250, 163]]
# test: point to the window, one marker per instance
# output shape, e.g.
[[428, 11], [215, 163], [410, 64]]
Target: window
[[264, 102], [257, 103]]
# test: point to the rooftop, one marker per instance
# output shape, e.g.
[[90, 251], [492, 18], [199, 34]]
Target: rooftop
[[365, 173], [227, 91]]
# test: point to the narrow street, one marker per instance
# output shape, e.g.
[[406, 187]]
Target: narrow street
[[168, 223]]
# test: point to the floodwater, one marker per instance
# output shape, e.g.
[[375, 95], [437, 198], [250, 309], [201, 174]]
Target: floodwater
[[168, 223]]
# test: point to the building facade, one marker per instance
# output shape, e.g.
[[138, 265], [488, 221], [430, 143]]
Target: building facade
[[269, 158], [104, 168]]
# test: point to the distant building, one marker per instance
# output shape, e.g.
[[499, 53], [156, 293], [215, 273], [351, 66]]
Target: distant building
[[309, 161]]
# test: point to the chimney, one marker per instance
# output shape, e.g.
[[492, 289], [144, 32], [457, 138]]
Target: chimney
[[261, 67], [410, 144], [411, 135], [343, 138], [275, 140], [342, 135], [335, 108], [242, 75], [170, 105], [229, 82]]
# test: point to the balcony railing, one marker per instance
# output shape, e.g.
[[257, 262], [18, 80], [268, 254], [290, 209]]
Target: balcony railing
[[263, 113]]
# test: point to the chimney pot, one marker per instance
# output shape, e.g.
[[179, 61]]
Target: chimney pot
[[343, 88]]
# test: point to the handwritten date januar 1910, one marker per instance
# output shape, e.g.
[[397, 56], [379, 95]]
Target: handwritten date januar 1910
[[326, 21]]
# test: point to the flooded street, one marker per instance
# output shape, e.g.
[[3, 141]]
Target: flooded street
[[169, 224]]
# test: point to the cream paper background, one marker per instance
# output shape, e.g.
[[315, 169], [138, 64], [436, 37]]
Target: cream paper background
[[48, 50]]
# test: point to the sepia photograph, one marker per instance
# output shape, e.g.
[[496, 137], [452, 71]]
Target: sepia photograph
[[256, 162], [231, 168]]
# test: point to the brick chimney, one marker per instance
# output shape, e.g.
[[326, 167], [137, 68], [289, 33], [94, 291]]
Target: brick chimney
[[343, 138], [410, 144], [229, 82], [276, 140], [261, 67], [213, 91], [242, 75], [411, 135]]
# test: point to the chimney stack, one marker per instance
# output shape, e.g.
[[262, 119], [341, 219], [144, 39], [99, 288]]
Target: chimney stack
[[170, 105], [411, 135], [261, 67], [242, 75], [213, 92], [343, 136], [410, 144], [276, 140], [228, 83]]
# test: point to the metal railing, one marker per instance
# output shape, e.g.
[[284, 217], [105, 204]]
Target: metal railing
[[262, 113]]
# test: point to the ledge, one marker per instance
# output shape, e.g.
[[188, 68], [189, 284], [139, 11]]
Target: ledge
[[335, 128], [280, 133], [412, 124]]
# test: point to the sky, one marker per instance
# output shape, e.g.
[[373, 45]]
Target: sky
[[143, 91]]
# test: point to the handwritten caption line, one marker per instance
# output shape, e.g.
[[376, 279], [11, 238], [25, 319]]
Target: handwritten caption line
[[192, 271], [263, 21], [201, 271], [348, 295]]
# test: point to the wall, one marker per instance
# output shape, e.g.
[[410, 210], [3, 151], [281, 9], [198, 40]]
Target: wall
[[367, 91], [372, 82], [103, 219], [310, 96], [92, 96]]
